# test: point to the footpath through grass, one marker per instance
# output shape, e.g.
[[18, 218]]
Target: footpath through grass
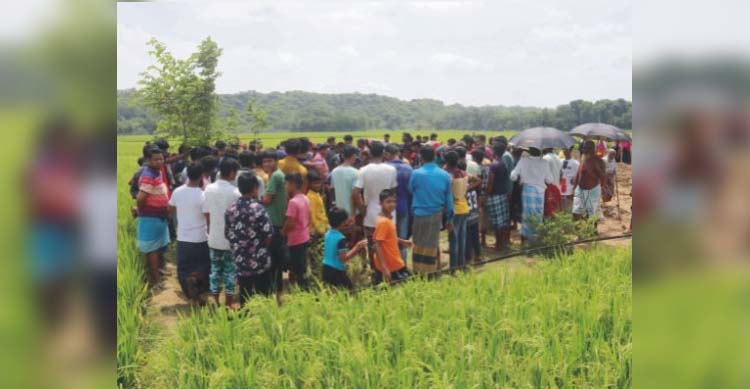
[[565, 323]]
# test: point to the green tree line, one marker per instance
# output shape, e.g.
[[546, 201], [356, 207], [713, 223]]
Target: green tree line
[[306, 111]]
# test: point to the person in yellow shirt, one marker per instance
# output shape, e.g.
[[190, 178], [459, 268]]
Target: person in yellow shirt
[[459, 186], [318, 218], [290, 164]]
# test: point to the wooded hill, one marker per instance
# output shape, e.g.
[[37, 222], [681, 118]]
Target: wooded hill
[[306, 111]]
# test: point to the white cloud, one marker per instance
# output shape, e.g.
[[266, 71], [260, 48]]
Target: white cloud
[[349, 50], [493, 52], [457, 61]]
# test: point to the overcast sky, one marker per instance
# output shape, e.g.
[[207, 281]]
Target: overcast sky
[[531, 53]]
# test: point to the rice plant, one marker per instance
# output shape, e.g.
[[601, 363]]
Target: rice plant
[[566, 323]]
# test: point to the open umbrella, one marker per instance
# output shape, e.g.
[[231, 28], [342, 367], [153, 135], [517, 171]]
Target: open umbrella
[[600, 130], [603, 131], [542, 138]]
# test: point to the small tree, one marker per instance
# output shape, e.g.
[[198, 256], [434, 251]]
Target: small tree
[[230, 125], [258, 117], [182, 91]]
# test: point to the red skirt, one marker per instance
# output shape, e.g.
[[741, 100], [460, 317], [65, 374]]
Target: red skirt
[[552, 199]]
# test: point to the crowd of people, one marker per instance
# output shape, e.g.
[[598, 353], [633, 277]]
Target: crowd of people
[[242, 215]]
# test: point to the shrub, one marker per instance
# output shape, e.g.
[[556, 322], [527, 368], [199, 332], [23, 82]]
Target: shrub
[[555, 231]]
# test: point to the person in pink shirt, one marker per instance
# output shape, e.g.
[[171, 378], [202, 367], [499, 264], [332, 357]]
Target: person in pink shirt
[[319, 160], [297, 229]]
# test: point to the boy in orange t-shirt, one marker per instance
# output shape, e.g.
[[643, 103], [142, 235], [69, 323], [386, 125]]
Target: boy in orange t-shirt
[[388, 262]]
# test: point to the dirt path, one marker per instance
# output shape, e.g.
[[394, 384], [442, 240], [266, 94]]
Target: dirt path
[[614, 224]]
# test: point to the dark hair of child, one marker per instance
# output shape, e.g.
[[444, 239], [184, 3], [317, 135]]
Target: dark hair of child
[[386, 193], [247, 182], [295, 179], [337, 216], [227, 166], [194, 171]]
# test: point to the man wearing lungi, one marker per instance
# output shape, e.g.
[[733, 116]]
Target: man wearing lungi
[[588, 183], [430, 187], [534, 173]]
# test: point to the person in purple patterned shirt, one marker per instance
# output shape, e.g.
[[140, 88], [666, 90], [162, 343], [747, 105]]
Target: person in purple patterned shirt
[[248, 229]]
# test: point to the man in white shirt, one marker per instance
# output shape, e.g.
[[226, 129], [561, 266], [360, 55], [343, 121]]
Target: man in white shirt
[[218, 197], [534, 173], [373, 179], [567, 174], [193, 258]]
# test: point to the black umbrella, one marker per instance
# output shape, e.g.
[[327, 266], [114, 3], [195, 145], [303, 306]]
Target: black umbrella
[[600, 130], [542, 138]]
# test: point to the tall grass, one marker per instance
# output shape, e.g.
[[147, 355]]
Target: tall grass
[[565, 323], [131, 288]]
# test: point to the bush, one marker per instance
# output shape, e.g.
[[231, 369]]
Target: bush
[[559, 229]]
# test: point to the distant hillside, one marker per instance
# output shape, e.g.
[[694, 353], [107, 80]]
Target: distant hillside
[[306, 111]]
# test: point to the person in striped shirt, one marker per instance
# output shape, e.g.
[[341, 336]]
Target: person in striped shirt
[[153, 208]]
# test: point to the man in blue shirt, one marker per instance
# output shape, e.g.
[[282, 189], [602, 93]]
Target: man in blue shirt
[[430, 187], [403, 197]]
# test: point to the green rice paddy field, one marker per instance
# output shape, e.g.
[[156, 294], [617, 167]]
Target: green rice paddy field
[[564, 322]]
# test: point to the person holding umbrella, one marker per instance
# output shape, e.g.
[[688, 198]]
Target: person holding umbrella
[[534, 173], [588, 183]]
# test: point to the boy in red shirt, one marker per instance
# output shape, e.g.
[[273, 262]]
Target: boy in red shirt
[[388, 262]]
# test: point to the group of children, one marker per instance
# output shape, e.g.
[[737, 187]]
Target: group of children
[[242, 216]]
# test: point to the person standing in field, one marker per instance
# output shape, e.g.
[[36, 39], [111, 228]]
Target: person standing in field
[[218, 197], [567, 176], [459, 187], [193, 257], [275, 201], [609, 184], [473, 167], [510, 160], [152, 203], [498, 207], [555, 165], [475, 199], [534, 174], [552, 193], [332, 156], [220, 146], [297, 229], [403, 197], [626, 153], [588, 183], [388, 264], [247, 161], [601, 148], [343, 178], [430, 187], [373, 179], [291, 164], [336, 254], [319, 160], [249, 232], [209, 164], [318, 217], [515, 203]]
